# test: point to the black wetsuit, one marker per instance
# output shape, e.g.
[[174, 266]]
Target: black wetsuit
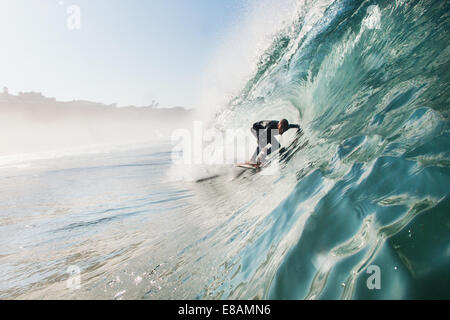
[[264, 132]]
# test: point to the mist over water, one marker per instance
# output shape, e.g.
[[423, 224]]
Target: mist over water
[[30, 123], [367, 185]]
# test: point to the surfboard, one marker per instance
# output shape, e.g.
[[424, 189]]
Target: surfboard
[[243, 169], [248, 165]]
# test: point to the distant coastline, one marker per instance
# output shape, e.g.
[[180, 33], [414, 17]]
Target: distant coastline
[[30, 121], [35, 101]]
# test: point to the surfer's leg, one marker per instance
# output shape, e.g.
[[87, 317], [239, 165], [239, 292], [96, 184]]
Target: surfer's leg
[[275, 146], [255, 133], [255, 154]]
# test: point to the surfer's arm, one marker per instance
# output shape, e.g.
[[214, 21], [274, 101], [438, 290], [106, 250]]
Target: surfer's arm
[[258, 126], [295, 126]]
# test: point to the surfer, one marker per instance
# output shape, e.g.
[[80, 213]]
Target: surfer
[[264, 132]]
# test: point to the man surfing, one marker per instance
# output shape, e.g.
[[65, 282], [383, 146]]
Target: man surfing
[[264, 132]]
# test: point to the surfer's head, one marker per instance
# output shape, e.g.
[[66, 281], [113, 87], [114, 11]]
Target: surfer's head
[[283, 126]]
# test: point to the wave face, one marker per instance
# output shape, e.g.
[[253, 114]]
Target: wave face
[[368, 82]]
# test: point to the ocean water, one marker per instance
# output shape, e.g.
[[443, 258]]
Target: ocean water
[[365, 193]]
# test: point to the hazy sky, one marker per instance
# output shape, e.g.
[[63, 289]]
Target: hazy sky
[[126, 51]]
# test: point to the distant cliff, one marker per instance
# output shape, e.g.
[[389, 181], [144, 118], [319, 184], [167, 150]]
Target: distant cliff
[[29, 122], [35, 106]]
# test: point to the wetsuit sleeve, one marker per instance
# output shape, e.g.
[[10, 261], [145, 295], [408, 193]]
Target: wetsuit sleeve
[[294, 126], [258, 126]]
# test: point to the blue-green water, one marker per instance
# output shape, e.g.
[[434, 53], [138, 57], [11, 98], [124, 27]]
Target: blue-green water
[[367, 81]]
